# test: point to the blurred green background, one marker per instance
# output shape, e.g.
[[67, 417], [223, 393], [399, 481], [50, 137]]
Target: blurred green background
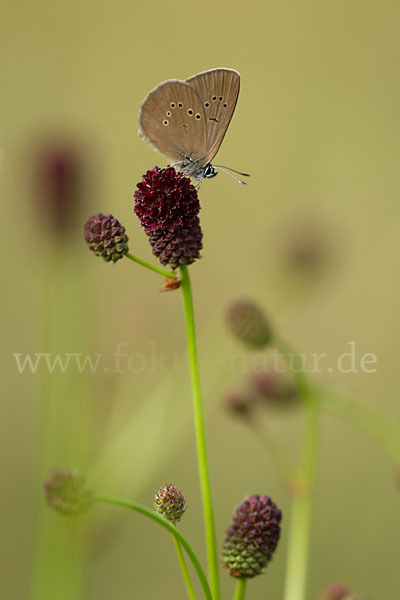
[[317, 126]]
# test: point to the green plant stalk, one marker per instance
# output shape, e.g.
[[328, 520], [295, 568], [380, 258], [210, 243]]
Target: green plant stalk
[[148, 265], [184, 569], [61, 550], [211, 539], [151, 514], [240, 589], [364, 417], [300, 523]]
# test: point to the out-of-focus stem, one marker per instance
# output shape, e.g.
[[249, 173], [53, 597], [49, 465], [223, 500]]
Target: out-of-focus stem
[[286, 471], [300, 522], [364, 417]]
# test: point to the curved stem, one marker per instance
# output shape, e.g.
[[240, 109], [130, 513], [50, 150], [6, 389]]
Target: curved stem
[[171, 528], [211, 539], [148, 265], [365, 417], [240, 589], [184, 569], [300, 524]]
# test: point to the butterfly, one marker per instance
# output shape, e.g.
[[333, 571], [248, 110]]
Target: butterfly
[[187, 120]]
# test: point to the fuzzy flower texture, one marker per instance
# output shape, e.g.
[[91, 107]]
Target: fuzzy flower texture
[[252, 537], [167, 206], [66, 491]]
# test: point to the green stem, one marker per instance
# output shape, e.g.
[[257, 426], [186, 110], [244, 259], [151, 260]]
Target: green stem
[[148, 265], [362, 416], [184, 569], [300, 524], [171, 528], [240, 589], [211, 539]]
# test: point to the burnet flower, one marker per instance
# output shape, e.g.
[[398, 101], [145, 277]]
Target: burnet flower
[[253, 536], [169, 502], [248, 323], [106, 237], [67, 492], [167, 206]]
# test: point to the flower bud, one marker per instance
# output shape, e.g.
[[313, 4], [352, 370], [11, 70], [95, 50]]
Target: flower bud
[[338, 591], [67, 492], [59, 175], [239, 402], [248, 322], [273, 388], [252, 537], [167, 206], [106, 237], [170, 503]]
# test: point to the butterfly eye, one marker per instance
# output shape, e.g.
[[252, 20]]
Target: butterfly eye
[[172, 104], [198, 116], [206, 104], [180, 104], [225, 105], [168, 113], [214, 98], [220, 98], [190, 112], [165, 122]]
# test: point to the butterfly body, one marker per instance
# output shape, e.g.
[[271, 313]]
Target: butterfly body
[[187, 120]]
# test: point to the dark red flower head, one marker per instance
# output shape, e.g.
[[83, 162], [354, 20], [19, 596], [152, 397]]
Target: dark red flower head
[[251, 539], [167, 206], [106, 237]]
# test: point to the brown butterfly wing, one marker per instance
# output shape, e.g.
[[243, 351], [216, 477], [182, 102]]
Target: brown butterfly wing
[[172, 120], [218, 90]]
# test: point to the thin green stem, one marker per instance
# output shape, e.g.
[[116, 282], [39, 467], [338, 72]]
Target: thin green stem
[[211, 539], [184, 569], [300, 523], [171, 528], [375, 423], [240, 588], [148, 265]]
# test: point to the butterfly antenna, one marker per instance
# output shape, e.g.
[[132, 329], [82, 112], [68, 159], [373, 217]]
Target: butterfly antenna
[[234, 170], [230, 174]]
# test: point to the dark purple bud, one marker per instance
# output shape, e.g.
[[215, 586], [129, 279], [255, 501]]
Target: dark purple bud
[[253, 536], [106, 237]]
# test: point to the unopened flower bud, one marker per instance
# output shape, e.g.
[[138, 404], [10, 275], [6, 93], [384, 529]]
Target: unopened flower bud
[[106, 237], [273, 388], [170, 503], [240, 402], [252, 537], [67, 492], [338, 591], [248, 322]]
